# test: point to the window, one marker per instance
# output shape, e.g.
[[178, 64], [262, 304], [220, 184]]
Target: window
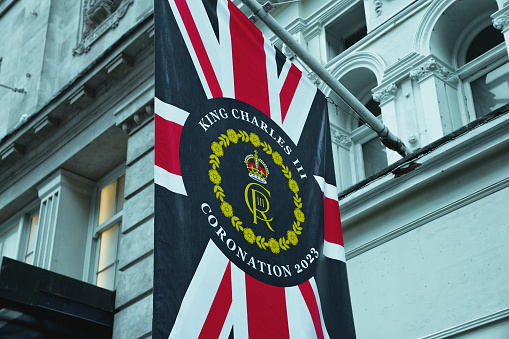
[[485, 72], [106, 226], [18, 235], [491, 90], [358, 150], [9, 242], [346, 31], [32, 238], [487, 39], [374, 156]]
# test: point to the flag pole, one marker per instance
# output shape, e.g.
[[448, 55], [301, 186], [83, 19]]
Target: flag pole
[[388, 138]]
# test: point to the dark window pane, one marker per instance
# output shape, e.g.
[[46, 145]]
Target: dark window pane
[[488, 38], [374, 156]]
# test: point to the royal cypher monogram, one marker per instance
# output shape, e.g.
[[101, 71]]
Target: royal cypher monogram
[[260, 230], [257, 197]]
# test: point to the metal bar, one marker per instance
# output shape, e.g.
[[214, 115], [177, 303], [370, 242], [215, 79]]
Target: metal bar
[[15, 90], [388, 139]]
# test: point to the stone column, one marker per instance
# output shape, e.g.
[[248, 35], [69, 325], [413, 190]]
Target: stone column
[[439, 98], [135, 281], [316, 45], [385, 96], [501, 22], [63, 223]]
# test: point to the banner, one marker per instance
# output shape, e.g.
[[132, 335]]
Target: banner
[[248, 241]]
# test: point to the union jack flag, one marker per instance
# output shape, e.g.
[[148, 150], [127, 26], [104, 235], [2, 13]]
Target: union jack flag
[[213, 275]]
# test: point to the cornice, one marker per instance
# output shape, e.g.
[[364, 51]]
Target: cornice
[[322, 16], [470, 325], [431, 66], [464, 201], [313, 31], [98, 115]]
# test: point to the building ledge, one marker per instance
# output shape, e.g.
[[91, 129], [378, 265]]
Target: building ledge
[[398, 167], [36, 303]]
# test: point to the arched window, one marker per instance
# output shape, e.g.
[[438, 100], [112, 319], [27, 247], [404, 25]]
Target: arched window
[[483, 42], [489, 86], [364, 155], [481, 59]]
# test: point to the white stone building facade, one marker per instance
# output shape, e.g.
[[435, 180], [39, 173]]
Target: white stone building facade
[[427, 251]]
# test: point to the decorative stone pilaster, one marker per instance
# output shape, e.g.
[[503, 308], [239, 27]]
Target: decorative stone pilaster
[[437, 87], [433, 67], [342, 148], [63, 223], [385, 94], [314, 36]]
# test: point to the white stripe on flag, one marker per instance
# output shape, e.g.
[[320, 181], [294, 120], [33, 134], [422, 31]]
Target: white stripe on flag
[[317, 297], [300, 323], [274, 82], [299, 109], [333, 251], [330, 191], [170, 181], [238, 310], [219, 54], [200, 294], [190, 48], [169, 112]]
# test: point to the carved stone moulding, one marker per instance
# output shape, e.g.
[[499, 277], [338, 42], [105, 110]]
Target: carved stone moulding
[[99, 16], [502, 23], [386, 94], [432, 66], [138, 119], [501, 18], [96, 11], [378, 7], [340, 139]]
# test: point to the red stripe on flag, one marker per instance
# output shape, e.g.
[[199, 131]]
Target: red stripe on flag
[[309, 297], [220, 307], [266, 310], [167, 142], [249, 65], [288, 90], [332, 221], [199, 48]]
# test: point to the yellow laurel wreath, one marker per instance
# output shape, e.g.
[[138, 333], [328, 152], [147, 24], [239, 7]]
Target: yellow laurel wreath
[[218, 147]]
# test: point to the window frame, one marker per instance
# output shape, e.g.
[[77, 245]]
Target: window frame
[[332, 39], [360, 136], [476, 69], [93, 246], [22, 220]]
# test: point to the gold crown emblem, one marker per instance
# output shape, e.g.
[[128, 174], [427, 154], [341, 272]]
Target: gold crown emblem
[[256, 168]]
